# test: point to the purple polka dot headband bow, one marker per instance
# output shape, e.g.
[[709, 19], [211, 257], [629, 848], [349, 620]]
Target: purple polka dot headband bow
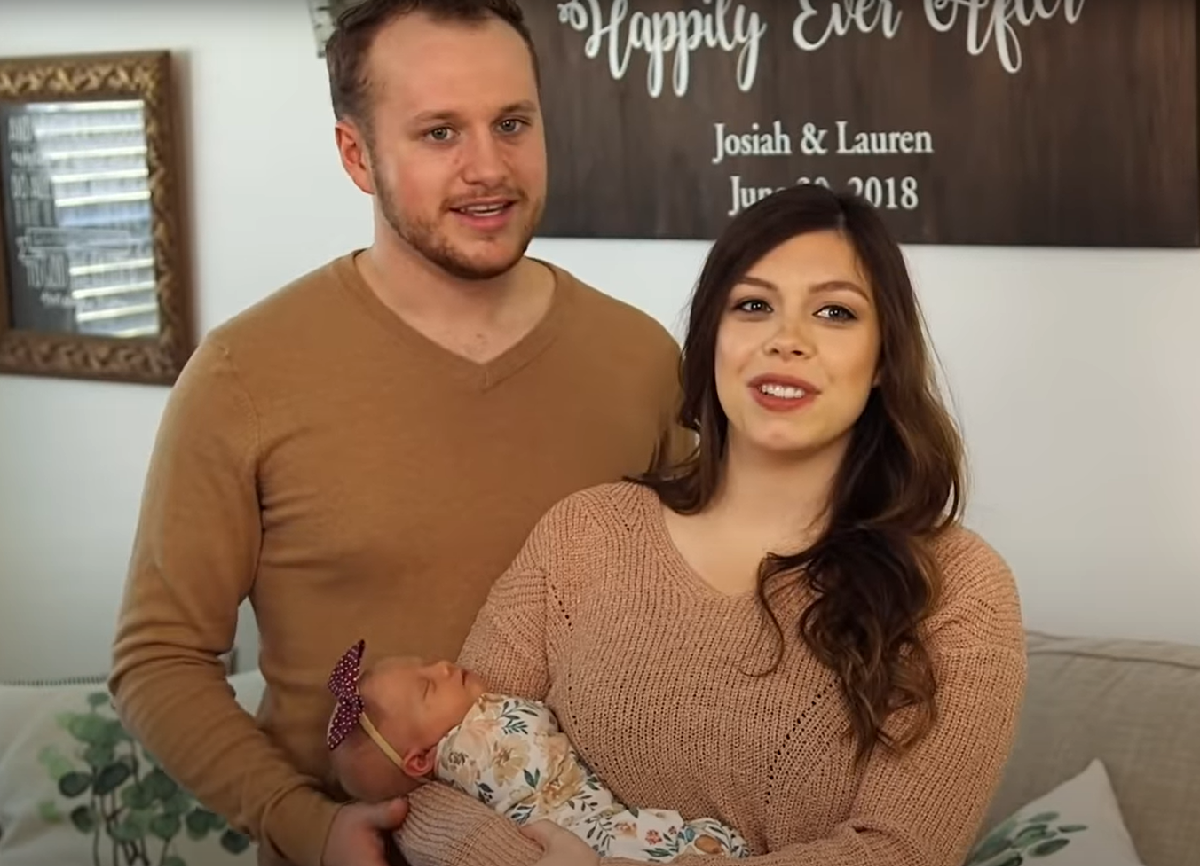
[[351, 711], [343, 682]]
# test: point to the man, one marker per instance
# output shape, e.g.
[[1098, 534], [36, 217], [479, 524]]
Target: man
[[363, 453]]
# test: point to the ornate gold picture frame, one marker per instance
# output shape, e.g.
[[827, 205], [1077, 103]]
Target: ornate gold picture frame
[[94, 279]]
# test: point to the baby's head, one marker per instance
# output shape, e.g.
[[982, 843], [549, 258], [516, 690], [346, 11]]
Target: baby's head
[[389, 718]]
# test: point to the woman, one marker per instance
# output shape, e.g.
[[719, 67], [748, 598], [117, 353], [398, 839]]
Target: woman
[[791, 632]]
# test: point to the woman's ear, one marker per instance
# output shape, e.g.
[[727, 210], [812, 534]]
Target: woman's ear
[[419, 763]]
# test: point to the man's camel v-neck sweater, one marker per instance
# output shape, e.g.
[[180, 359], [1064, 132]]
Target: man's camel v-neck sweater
[[645, 666], [354, 479]]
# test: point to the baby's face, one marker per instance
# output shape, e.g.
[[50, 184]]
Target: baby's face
[[421, 701]]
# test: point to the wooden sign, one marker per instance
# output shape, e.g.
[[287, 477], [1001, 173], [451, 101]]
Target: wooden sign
[[1014, 122]]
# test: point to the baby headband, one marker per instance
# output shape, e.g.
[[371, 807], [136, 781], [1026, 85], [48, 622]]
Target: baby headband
[[351, 709]]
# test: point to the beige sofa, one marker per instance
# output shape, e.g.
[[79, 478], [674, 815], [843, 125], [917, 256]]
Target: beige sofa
[[1105, 772], [1134, 706]]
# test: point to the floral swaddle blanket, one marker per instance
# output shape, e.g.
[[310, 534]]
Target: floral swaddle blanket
[[510, 754]]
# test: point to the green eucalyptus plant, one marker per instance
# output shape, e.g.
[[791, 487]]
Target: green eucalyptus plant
[[1017, 843], [118, 794]]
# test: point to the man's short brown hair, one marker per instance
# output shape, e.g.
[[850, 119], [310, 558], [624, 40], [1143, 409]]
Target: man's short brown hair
[[361, 20]]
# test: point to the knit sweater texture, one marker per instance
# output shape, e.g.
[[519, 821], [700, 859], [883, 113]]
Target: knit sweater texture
[[353, 479], [651, 673]]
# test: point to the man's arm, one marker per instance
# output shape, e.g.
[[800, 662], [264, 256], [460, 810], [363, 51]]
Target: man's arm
[[193, 563]]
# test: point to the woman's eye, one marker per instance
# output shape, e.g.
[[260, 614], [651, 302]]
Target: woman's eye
[[753, 305], [836, 311]]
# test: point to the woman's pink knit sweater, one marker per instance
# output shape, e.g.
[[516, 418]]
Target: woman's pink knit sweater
[[649, 670]]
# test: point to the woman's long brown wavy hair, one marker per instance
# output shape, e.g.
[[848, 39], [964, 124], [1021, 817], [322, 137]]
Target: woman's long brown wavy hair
[[899, 484]]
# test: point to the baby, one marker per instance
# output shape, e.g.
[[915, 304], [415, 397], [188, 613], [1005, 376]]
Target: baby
[[400, 723]]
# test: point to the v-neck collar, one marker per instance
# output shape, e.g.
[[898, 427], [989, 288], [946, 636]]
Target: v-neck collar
[[472, 374]]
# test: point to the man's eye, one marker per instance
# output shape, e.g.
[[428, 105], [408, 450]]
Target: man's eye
[[442, 133], [511, 125]]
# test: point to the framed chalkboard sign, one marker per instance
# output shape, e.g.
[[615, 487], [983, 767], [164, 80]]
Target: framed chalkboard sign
[[93, 276]]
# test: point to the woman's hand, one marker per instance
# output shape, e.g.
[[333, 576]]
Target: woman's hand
[[560, 847]]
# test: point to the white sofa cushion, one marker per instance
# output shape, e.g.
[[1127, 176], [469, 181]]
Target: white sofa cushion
[[1077, 824], [76, 790]]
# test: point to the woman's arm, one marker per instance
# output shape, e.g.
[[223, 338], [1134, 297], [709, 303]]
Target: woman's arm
[[507, 647], [507, 642], [921, 809], [445, 827]]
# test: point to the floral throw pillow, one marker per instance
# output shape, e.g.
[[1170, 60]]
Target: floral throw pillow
[[77, 790], [1077, 824]]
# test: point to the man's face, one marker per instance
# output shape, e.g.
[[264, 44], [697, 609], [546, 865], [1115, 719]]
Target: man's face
[[457, 153]]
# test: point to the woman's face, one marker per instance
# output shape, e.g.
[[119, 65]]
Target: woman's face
[[797, 348]]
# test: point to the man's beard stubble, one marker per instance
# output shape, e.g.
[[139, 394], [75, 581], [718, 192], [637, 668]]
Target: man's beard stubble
[[424, 238]]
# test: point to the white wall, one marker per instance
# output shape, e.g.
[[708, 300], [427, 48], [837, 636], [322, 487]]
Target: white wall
[[1073, 371]]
